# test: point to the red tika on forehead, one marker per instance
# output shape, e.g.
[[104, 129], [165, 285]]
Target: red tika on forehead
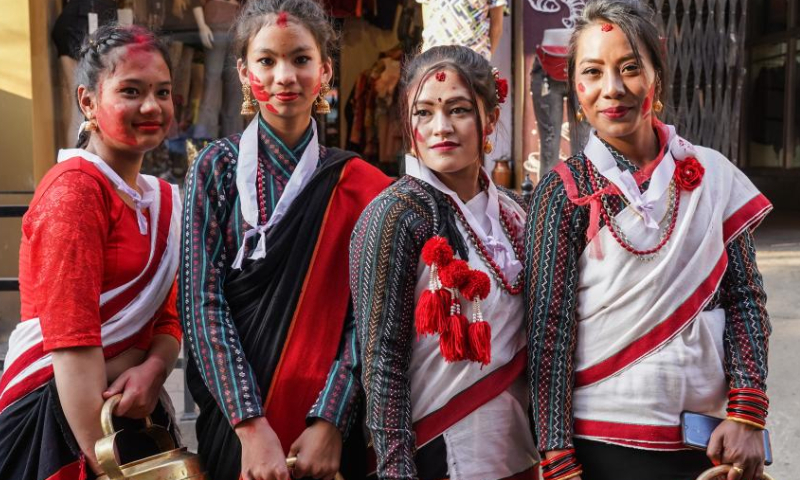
[[607, 27], [441, 76], [283, 19]]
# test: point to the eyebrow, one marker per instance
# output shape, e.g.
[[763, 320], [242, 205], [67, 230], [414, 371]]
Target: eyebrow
[[142, 82], [448, 101], [300, 49], [627, 57]]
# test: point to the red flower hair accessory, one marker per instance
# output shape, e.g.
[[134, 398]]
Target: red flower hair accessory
[[500, 85], [689, 173]]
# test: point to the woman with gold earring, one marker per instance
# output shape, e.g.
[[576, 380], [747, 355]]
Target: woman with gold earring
[[268, 216], [640, 258], [443, 336]]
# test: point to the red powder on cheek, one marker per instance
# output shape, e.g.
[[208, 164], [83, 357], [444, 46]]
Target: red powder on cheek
[[283, 20], [607, 27], [112, 124], [441, 76], [258, 89], [581, 88], [317, 88], [418, 136], [271, 108], [648, 102]]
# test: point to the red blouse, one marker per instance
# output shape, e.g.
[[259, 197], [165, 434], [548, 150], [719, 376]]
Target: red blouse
[[80, 239]]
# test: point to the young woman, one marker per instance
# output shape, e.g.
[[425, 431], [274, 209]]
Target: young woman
[[98, 259], [642, 290], [435, 265], [264, 296]]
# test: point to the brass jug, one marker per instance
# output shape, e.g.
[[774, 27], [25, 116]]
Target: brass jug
[[172, 464], [714, 473]]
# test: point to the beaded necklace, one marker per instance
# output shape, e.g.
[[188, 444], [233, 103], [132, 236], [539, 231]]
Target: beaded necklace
[[510, 231], [619, 234], [260, 197]]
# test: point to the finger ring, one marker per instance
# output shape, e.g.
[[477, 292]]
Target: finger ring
[[738, 470]]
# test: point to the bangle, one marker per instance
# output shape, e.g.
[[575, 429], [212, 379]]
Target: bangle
[[561, 467], [737, 419], [749, 406]]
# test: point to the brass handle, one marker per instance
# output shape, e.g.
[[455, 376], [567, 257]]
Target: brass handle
[[291, 461], [713, 473], [107, 415]]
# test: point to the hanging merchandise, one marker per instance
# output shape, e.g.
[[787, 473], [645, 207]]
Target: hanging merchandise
[[549, 91], [372, 111]]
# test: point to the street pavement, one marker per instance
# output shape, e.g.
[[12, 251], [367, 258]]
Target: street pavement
[[778, 245]]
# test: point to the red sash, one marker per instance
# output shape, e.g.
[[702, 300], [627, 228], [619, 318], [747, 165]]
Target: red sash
[[312, 340]]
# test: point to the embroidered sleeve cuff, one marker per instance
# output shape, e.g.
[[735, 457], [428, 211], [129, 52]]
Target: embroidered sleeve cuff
[[333, 411], [240, 416]]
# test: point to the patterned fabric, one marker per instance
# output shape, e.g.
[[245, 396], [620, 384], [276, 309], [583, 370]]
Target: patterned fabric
[[385, 250], [458, 22], [213, 232], [555, 240]]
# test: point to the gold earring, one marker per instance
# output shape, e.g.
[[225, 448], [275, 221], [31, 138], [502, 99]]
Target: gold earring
[[247, 101], [91, 126], [658, 106], [322, 106], [579, 115], [487, 146]]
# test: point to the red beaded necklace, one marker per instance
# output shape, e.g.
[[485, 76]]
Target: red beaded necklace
[[607, 219], [510, 231]]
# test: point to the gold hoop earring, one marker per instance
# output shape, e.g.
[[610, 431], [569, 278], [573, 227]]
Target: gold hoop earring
[[247, 101], [487, 146], [658, 106], [322, 106], [579, 115]]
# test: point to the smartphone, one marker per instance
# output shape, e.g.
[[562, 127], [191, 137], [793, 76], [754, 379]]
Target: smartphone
[[697, 429]]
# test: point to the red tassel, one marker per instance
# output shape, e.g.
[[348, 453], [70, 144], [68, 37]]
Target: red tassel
[[453, 339], [82, 473], [431, 311], [479, 335]]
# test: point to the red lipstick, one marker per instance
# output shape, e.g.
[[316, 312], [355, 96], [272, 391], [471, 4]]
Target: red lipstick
[[445, 146], [286, 96], [148, 127], [615, 112]]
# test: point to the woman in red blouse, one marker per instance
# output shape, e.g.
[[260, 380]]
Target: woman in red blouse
[[98, 260]]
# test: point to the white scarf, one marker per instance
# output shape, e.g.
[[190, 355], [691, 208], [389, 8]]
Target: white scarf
[[140, 202], [495, 240], [644, 203], [246, 173]]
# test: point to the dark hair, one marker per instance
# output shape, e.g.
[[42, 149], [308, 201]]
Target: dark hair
[[95, 55], [309, 13], [635, 19], [475, 71]]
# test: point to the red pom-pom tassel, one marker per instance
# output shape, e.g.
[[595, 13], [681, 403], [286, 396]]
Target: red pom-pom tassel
[[453, 339], [431, 311], [455, 275], [477, 286], [479, 336], [438, 251]]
